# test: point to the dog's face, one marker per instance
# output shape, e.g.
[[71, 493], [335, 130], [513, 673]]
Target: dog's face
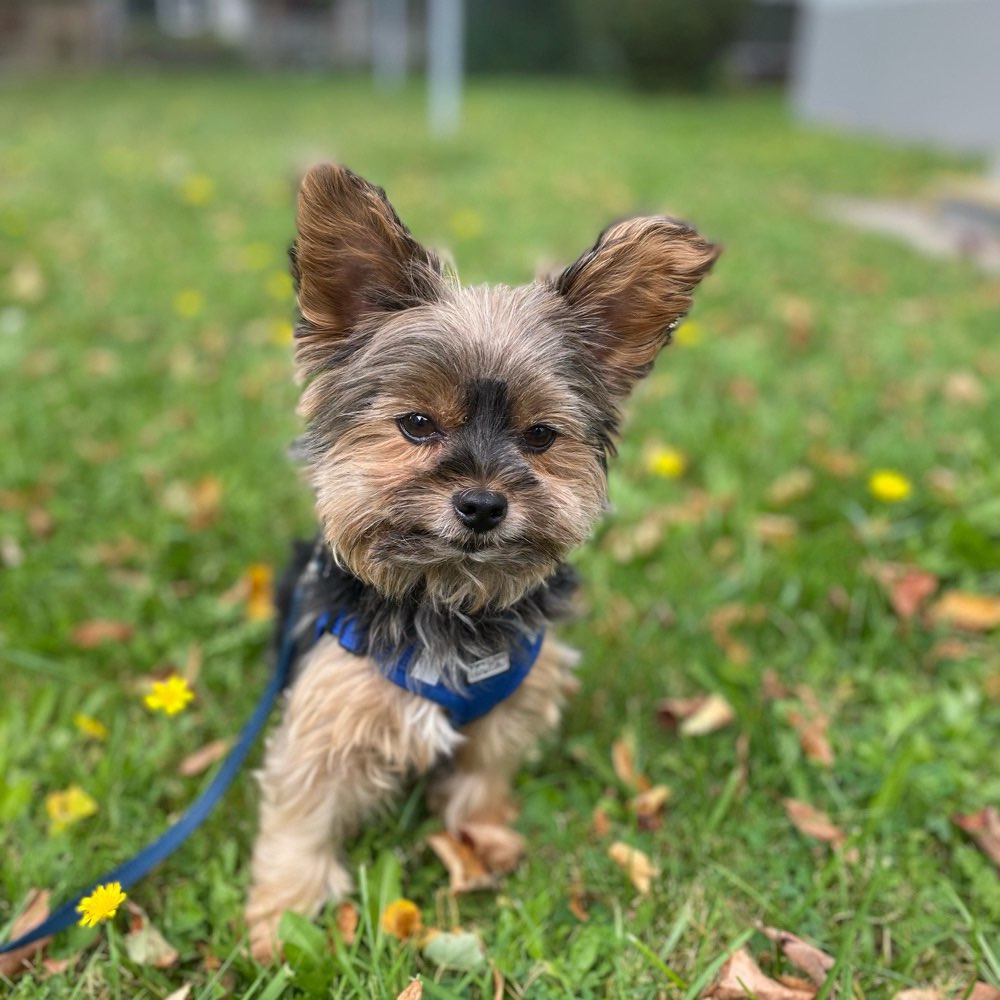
[[457, 437]]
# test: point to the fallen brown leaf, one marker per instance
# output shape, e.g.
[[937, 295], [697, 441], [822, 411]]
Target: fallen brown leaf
[[813, 962], [740, 978], [984, 828], [724, 618], [907, 587], [498, 847], [635, 863], [181, 994], [623, 762], [837, 462], [465, 871], [205, 756], [648, 806], [40, 522], [712, 714], [812, 822], [599, 822], [97, 631], [695, 716], [35, 910], [144, 943], [347, 922], [775, 529], [811, 730], [964, 610], [577, 897], [414, 991], [918, 994], [790, 486]]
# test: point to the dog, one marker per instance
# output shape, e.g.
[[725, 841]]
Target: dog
[[456, 440]]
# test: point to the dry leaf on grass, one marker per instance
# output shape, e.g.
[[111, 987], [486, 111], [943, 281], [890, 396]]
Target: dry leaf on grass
[[204, 757], [695, 716], [836, 461], [907, 587], [648, 806], [465, 871], [498, 847], [918, 994], [182, 994], [35, 910], [144, 943], [577, 898], [791, 485], [724, 618], [623, 761], [968, 611], [414, 991], [347, 922], [775, 529], [97, 631], [635, 863], [599, 822], [812, 822], [813, 962], [811, 730], [984, 828], [740, 977]]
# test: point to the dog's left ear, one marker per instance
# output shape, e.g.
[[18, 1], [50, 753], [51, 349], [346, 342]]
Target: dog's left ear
[[634, 286]]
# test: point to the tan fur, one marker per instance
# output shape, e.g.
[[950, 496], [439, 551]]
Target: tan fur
[[636, 281], [347, 739]]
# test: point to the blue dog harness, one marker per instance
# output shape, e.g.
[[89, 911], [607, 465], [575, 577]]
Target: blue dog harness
[[487, 683]]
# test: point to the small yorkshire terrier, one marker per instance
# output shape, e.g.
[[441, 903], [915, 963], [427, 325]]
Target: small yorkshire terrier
[[456, 440]]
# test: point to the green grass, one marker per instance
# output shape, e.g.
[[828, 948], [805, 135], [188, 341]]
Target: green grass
[[110, 398]]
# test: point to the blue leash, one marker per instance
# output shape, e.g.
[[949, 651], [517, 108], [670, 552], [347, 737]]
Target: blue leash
[[139, 864]]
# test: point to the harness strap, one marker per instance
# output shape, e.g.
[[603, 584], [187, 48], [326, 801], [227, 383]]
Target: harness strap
[[501, 675], [142, 861]]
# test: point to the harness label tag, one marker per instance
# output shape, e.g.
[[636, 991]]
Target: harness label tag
[[490, 667], [425, 670]]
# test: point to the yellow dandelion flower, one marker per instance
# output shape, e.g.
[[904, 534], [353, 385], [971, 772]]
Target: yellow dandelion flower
[[188, 303], [889, 486], [401, 919], [466, 223], [67, 807], [101, 904], [256, 256], [282, 332], [90, 726], [169, 696], [688, 333], [279, 286], [197, 189], [667, 462]]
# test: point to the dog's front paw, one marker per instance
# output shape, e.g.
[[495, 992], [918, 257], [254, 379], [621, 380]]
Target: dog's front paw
[[265, 947]]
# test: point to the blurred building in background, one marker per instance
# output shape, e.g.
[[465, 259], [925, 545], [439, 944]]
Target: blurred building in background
[[926, 70]]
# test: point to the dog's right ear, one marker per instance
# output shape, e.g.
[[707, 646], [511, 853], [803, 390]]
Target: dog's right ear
[[352, 258]]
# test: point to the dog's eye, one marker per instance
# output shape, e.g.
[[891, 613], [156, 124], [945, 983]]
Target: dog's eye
[[417, 427], [539, 437]]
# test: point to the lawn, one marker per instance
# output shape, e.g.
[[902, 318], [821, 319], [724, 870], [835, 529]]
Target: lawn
[[147, 405]]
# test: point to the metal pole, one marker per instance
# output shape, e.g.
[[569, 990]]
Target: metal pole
[[445, 58]]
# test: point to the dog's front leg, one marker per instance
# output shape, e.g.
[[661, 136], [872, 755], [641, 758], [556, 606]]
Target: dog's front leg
[[473, 796], [347, 738]]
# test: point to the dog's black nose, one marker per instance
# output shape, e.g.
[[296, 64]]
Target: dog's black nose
[[481, 510]]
